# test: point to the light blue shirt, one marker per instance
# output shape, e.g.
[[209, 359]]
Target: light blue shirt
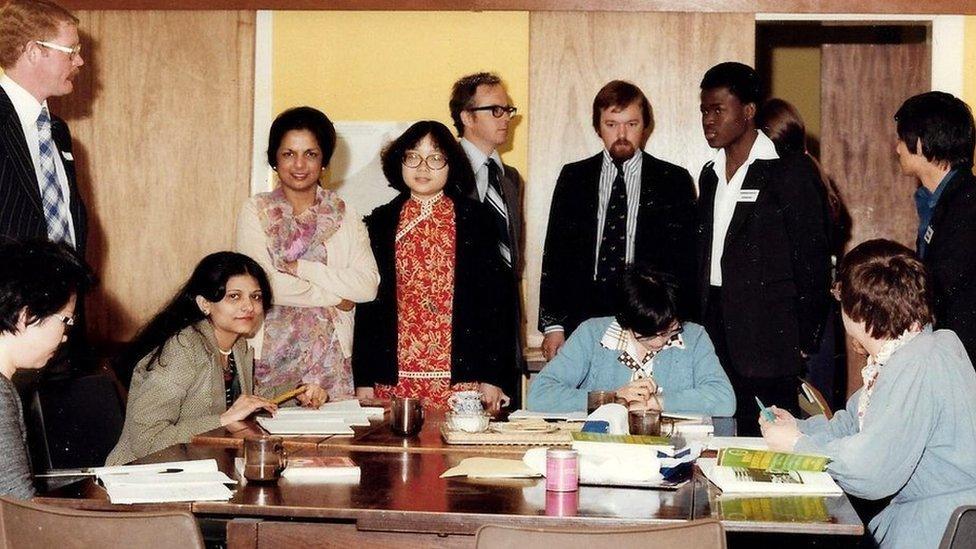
[[691, 378]]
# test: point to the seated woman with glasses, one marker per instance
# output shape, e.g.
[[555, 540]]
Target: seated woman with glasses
[[645, 353], [909, 433], [40, 284], [191, 366], [434, 327]]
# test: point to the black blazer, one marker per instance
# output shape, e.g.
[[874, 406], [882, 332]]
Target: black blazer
[[665, 239], [775, 266], [482, 348], [512, 185], [21, 213], [950, 257]]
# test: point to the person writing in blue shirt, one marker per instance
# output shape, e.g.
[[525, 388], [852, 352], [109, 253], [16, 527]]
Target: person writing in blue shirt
[[645, 353]]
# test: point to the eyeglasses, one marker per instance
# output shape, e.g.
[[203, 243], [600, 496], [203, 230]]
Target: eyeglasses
[[667, 335], [68, 321], [72, 52], [497, 111], [435, 161]]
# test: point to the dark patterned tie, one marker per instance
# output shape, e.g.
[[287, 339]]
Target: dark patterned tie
[[613, 245], [496, 200]]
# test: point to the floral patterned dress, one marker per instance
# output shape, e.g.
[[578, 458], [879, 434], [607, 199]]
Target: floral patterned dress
[[300, 343], [425, 259]]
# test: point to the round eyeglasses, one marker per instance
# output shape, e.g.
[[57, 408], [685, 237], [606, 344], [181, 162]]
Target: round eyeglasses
[[435, 161]]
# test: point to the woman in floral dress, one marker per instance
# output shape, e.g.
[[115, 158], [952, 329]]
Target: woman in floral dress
[[434, 327], [315, 248]]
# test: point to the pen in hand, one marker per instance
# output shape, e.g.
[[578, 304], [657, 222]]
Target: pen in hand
[[766, 413]]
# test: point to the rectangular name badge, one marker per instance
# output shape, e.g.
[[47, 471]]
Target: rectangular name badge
[[67, 156], [928, 235], [748, 195]]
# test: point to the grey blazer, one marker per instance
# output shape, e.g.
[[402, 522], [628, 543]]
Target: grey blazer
[[181, 396]]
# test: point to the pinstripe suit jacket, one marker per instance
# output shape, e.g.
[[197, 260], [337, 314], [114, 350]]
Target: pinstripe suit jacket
[[21, 213], [181, 396]]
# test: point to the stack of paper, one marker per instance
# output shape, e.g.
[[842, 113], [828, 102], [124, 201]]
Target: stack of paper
[[198, 480], [318, 468], [332, 418], [567, 416]]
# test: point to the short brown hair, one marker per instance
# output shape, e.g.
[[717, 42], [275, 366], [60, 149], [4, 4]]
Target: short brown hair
[[885, 286], [463, 92], [620, 94], [22, 21]]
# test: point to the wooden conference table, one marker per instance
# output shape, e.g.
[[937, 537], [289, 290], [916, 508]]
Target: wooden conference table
[[402, 500]]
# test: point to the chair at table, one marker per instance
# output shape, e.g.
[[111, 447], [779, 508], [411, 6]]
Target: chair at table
[[703, 534], [812, 401], [26, 524], [961, 531]]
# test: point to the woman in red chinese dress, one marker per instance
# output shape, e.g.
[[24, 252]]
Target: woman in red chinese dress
[[433, 328]]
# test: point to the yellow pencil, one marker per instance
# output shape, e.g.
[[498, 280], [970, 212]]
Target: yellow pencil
[[283, 397]]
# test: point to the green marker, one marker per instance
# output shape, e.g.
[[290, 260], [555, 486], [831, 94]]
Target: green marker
[[766, 413]]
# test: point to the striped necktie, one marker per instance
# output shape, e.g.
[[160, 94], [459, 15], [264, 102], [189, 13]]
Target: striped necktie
[[496, 200], [52, 199]]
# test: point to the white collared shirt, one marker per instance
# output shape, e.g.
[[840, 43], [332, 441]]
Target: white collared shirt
[[28, 109], [632, 179], [479, 165], [727, 195]]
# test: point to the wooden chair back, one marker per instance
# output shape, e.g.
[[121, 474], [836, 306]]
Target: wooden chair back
[[961, 531], [812, 401]]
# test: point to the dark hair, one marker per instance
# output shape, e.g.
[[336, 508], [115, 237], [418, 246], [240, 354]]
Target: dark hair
[[38, 277], [740, 79], [619, 94], [943, 123], [302, 118], [463, 92], [209, 279], [647, 300], [885, 286], [460, 178], [782, 123]]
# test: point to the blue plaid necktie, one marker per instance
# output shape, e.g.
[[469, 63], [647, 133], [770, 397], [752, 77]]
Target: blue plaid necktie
[[52, 199]]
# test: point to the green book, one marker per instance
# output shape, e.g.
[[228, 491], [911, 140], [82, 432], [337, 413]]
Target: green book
[[621, 439], [771, 461]]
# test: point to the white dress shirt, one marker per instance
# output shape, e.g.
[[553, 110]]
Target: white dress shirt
[[28, 109], [727, 196], [479, 165]]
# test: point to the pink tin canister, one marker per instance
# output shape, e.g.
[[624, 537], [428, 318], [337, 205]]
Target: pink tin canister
[[562, 470]]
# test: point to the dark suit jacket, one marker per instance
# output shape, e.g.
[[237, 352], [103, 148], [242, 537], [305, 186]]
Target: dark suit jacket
[[950, 257], [482, 349], [665, 239], [21, 213], [775, 266]]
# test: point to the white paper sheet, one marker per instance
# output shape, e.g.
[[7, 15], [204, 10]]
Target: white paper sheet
[[298, 426], [749, 443], [568, 416]]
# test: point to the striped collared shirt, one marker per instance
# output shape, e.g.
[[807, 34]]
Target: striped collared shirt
[[632, 177]]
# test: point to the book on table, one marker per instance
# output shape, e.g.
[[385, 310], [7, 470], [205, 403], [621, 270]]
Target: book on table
[[337, 468], [752, 471], [600, 442]]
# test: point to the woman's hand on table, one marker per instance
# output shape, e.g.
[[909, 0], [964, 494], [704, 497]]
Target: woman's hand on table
[[365, 392], [493, 397], [244, 406], [781, 435], [313, 396]]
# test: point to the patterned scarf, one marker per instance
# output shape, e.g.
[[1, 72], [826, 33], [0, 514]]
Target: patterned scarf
[[869, 374], [633, 355], [300, 344]]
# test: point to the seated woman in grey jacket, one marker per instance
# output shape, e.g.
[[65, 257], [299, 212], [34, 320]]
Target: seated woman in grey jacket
[[192, 370], [40, 282], [646, 354]]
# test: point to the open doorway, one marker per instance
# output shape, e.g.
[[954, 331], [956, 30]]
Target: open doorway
[[847, 79]]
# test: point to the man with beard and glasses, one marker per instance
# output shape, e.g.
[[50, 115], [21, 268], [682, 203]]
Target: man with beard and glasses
[[764, 256], [619, 207]]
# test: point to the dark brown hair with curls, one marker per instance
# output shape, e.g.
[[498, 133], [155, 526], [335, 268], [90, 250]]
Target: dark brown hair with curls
[[885, 286]]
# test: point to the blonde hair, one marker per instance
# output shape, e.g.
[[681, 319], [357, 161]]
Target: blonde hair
[[22, 21]]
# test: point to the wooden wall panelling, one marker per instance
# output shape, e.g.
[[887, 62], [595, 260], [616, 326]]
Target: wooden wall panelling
[[705, 6], [161, 119], [572, 55], [863, 85]]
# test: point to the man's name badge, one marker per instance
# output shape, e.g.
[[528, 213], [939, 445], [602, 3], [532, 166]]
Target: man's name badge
[[928, 235], [748, 195]]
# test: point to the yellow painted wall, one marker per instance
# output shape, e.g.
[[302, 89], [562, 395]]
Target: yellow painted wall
[[397, 66], [969, 64], [796, 78]]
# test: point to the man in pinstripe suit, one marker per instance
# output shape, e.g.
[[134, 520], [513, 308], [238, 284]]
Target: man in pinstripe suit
[[40, 55], [482, 114], [618, 207]]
